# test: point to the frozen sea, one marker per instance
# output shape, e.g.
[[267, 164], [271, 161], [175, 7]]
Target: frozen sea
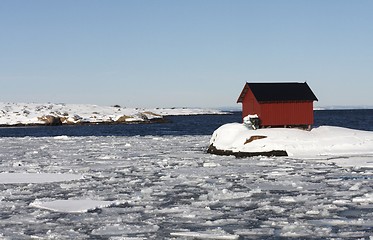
[[156, 181]]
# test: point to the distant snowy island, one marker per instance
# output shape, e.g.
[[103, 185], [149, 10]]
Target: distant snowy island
[[321, 142], [30, 114]]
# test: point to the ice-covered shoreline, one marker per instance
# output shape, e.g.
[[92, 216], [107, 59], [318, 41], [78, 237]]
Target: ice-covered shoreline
[[24, 114]]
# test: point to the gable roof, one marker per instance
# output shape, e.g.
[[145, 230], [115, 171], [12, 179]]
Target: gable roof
[[268, 92]]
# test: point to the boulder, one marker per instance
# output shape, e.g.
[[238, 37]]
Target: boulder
[[123, 119], [51, 120]]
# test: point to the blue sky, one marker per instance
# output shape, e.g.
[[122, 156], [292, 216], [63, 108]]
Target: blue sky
[[194, 53]]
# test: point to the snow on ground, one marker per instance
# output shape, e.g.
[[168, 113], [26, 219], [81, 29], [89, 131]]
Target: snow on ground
[[168, 187], [324, 141], [30, 113]]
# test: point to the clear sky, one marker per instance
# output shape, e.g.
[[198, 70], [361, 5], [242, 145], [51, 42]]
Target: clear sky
[[184, 53]]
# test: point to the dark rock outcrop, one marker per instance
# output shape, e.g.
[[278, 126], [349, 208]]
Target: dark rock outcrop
[[275, 153], [253, 138]]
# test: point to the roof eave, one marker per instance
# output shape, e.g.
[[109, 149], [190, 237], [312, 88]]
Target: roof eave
[[243, 93]]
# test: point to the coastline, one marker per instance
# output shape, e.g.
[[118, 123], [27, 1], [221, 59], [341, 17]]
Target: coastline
[[151, 121], [49, 114]]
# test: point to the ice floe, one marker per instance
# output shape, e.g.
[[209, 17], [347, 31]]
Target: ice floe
[[16, 178], [217, 235], [71, 206], [168, 187], [120, 229]]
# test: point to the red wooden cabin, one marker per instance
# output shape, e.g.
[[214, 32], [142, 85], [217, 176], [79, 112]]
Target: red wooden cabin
[[278, 104]]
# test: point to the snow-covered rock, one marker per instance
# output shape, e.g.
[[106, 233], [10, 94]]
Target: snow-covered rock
[[56, 114], [237, 139]]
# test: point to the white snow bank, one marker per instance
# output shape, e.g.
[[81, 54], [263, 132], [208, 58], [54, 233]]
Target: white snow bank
[[71, 206], [321, 141], [15, 178], [31, 113]]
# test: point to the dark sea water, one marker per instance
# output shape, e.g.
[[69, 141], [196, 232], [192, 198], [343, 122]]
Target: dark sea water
[[361, 119]]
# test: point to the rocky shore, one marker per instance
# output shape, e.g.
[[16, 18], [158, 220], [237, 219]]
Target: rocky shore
[[33, 114], [53, 120]]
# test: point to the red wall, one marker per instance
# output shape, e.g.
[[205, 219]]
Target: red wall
[[278, 113], [286, 113], [250, 105]]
